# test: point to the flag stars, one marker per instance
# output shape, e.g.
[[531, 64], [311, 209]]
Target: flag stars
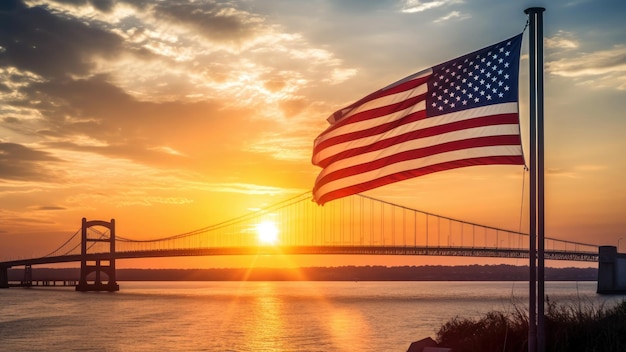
[[462, 83]]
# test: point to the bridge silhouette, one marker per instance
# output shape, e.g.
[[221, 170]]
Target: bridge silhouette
[[356, 225]]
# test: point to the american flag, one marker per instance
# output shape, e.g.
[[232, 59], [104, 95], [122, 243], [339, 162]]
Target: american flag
[[463, 112]]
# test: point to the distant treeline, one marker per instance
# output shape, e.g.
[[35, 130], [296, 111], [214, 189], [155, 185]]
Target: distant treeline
[[343, 273]]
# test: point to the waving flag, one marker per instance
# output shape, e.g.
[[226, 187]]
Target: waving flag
[[463, 112]]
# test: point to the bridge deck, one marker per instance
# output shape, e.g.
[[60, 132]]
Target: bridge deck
[[312, 250]]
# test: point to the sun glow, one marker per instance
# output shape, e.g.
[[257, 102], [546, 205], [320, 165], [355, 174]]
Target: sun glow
[[267, 232]]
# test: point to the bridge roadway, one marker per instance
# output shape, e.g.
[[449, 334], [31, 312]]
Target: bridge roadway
[[304, 250]]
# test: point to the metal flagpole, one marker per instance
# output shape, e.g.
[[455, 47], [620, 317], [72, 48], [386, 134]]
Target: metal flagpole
[[532, 247], [541, 329], [536, 336]]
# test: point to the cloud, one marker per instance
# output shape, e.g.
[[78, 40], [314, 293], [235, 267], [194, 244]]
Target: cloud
[[452, 15], [216, 21], [413, 6], [48, 207], [21, 163], [604, 68], [38, 41], [562, 40]]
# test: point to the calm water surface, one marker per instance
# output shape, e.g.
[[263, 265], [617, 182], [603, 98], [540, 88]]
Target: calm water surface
[[256, 316]]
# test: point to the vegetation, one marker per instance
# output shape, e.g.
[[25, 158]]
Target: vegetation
[[570, 328]]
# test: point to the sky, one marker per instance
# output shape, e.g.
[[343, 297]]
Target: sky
[[169, 116]]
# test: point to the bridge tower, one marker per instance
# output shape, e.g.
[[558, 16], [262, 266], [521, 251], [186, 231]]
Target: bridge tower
[[97, 264], [611, 271]]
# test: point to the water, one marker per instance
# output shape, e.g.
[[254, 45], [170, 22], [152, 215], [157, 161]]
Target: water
[[256, 316]]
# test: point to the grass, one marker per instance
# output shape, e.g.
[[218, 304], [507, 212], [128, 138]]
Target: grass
[[571, 328]]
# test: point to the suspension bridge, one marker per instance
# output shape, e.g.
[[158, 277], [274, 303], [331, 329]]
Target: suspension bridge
[[356, 225]]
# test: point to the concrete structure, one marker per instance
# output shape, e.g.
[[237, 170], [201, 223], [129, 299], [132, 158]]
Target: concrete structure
[[611, 270], [97, 266]]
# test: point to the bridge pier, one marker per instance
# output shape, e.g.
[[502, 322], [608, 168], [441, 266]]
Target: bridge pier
[[97, 266], [27, 280], [4, 277], [611, 270]]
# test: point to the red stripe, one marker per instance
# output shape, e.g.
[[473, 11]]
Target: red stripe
[[423, 133], [378, 129], [377, 112], [404, 175], [417, 154]]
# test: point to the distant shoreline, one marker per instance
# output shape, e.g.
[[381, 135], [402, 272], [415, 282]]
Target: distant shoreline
[[344, 273]]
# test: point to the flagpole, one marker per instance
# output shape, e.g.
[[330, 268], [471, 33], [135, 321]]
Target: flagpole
[[536, 322], [541, 330]]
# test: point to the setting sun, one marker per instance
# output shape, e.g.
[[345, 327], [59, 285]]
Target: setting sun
[[267, 232]]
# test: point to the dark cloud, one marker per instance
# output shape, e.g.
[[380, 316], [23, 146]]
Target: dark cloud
[[49, 207], [102, 5], [18, 162], [11, 120], [52, 46], [212, 20]]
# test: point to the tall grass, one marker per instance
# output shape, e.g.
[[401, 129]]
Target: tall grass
[[571, 328]]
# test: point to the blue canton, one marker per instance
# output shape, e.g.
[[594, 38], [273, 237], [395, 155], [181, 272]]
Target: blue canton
[[484, 77]]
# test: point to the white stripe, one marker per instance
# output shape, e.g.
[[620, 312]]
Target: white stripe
[[369, 123], [416, 164], [476, 132], [504, 108]]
